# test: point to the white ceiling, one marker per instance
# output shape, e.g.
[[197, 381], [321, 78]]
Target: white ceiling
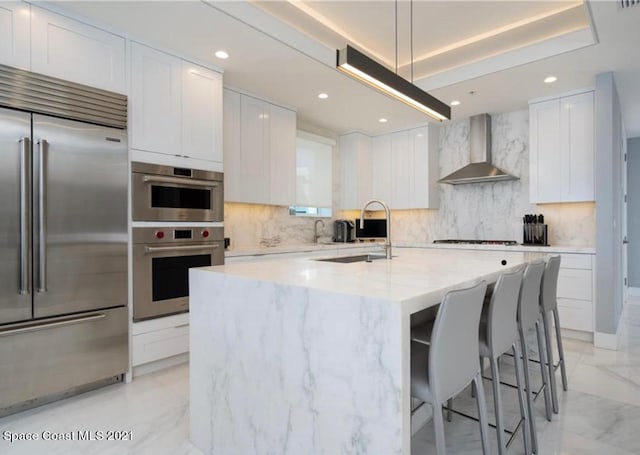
[[282, 54]]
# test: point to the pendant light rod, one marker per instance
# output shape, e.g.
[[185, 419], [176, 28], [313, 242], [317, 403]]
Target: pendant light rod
[[365, 69], [411, 33], [396, 33]]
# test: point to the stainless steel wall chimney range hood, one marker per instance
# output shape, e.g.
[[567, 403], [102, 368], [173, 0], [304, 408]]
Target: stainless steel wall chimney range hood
[[480, 170]]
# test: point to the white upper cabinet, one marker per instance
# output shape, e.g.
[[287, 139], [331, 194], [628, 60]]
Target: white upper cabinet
[[381, 148], [155, 101], [70, 50], [405, 168], [201, 113], [176, 111], [354, 150], [232, 136], [15, 29], [282, 155], [254, 151], [562, 149], [259, 151]]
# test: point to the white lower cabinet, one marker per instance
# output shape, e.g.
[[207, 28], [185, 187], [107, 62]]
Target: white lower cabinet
[[575, 292], [159, 339]]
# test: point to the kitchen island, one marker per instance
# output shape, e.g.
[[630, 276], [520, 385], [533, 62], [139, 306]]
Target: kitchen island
[[299, 355]]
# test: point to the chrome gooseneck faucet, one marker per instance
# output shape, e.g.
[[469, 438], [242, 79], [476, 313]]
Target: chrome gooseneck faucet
[[315, 230], [387, 212]]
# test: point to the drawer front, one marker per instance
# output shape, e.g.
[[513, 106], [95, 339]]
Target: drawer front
[[576, 261], [576, 314], [575, 284], [161, 344]]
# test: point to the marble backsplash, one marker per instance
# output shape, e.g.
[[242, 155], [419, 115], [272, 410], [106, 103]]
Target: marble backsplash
[[475, 211]]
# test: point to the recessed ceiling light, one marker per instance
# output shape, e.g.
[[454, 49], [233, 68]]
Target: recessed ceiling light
[[550, 79], [383, 120], [222, 54], [323, 96], [455, 103]]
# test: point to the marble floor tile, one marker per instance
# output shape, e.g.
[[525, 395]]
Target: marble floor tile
[[600, 414]]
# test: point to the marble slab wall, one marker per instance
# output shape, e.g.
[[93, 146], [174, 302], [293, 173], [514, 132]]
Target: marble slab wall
[[475, 211]]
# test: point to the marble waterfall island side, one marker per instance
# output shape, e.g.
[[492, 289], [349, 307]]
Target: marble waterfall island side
[[296, 356]]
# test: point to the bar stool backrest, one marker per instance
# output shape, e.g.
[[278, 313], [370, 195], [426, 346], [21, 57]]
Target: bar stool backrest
[[454, 351], [529, 305], [502, 325], [549, 290]]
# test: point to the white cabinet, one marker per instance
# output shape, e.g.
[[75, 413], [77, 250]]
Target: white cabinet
[[159, 339], [201, 113], [355, 154], [176, 111], [282, 156], [575, 292], [155, 100], [405, 168], [381, 168], [15, 30], [70, 50], [562, 149], [259, 151]]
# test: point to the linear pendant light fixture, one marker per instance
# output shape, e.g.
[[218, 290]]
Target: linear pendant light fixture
[[365, 69]]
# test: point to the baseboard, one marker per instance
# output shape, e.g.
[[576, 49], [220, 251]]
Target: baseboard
[[421, 416], [158, 365], [633, 292], [577, 335], [606, 341]]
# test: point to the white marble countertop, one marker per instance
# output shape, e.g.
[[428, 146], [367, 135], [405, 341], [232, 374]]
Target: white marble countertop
[[413, 273], [302, 248]]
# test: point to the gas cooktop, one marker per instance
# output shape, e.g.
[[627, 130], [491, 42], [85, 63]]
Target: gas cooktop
[[477, 242]]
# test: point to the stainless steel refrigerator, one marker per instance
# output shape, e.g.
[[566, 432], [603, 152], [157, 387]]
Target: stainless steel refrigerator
[[63, 243]]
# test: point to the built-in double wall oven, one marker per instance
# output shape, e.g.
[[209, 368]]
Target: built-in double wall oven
[[186, 206]]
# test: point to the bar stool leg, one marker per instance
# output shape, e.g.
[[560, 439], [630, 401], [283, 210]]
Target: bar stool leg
[[563, 369], [482, 413], [526, 430], [438, 428], [543, 372], [546, 324], [527, 384], [497, 402]]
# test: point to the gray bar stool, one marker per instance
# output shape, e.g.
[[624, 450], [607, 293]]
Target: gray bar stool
[[529, 318], [498, 335], [444, 364], [549, 307]]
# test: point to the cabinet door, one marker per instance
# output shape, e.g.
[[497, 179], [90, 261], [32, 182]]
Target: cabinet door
[[155, 101], [577, 125], [381, 163], [201, 113], [401, 171], [425, 187], [256, 182], [68, 49], [282, 155], [15, 34], [545, 162], [231, 139], [355, 170]]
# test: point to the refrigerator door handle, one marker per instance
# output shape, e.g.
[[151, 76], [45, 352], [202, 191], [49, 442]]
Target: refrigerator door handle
[[25, 215], [30, 327], [42, 216]]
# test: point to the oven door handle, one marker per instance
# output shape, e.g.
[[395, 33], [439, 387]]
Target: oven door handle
[[162, 249], [180, 181]]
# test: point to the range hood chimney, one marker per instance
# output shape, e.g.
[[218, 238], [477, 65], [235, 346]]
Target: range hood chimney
[[480, 170]]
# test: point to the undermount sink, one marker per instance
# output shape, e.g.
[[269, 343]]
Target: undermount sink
[[349, 259]]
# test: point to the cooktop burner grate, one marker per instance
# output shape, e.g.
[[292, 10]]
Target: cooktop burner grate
[[477, 242]]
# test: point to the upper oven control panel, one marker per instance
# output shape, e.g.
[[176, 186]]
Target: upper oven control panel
[[187, 234]]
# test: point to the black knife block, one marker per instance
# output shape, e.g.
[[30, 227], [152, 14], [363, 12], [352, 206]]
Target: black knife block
[[534, 234]]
